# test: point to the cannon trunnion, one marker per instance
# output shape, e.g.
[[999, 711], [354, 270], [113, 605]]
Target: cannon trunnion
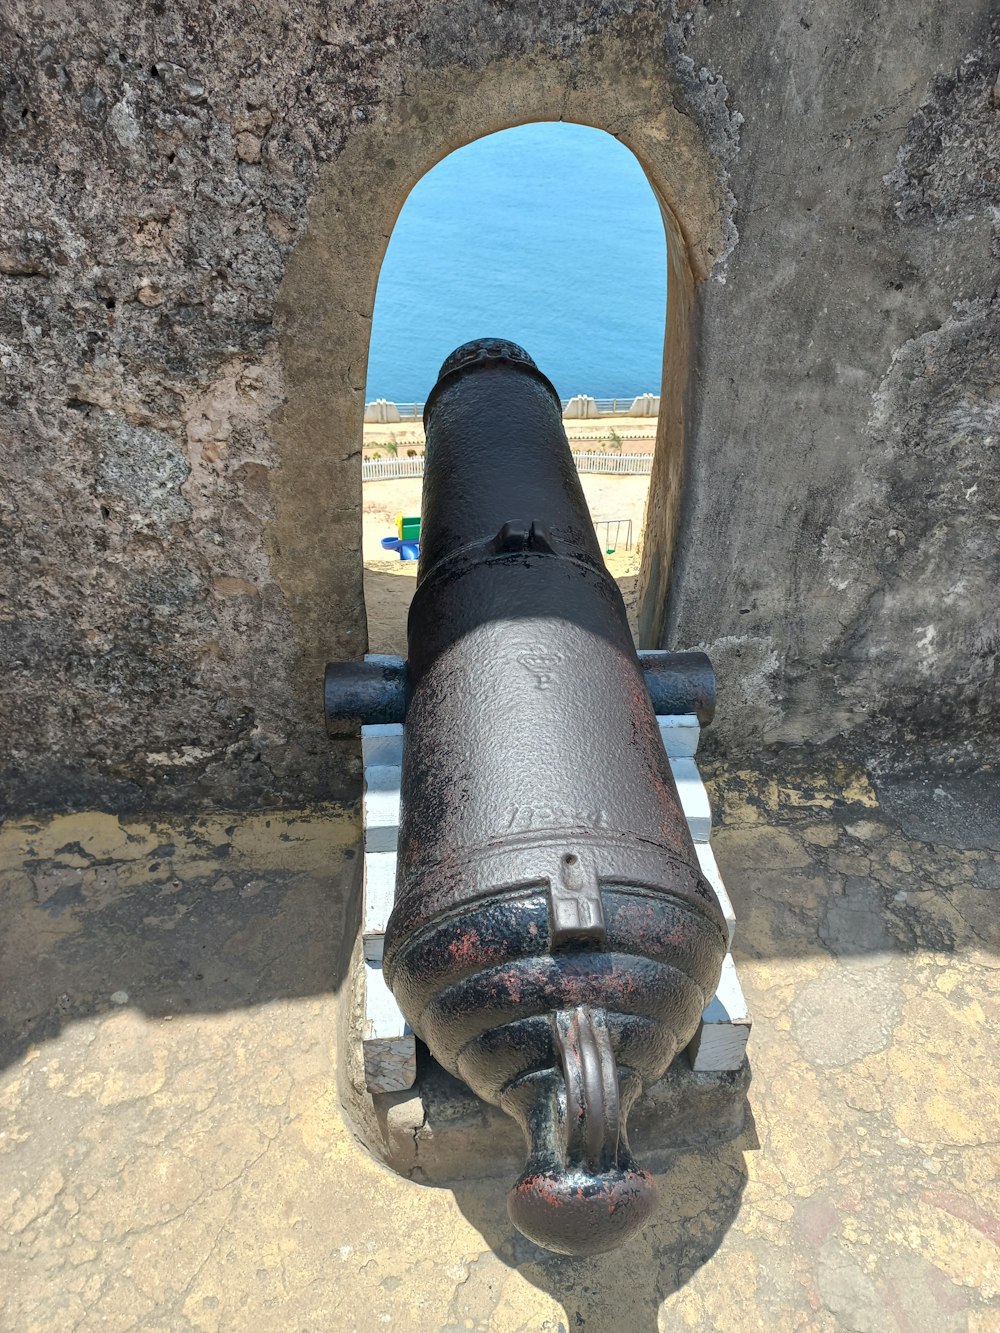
[[553, 940]]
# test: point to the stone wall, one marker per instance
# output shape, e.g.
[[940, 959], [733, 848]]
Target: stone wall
[[843, 447], [197, 197]]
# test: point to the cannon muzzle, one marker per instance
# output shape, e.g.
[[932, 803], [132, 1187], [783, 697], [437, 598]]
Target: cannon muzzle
[[553, 940]]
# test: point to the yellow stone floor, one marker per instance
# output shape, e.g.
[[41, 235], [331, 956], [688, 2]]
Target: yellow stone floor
[[172, 1154]]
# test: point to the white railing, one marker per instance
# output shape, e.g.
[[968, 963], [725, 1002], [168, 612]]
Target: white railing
[[614, 407], [385, 469], [620, 465], [387, 412]]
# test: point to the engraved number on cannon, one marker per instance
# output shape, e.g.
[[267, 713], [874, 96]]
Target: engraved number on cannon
[[521, 818]]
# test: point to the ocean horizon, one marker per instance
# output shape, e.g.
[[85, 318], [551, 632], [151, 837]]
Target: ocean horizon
[[548, 234]]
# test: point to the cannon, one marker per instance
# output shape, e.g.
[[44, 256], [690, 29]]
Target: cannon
[[553, 940]]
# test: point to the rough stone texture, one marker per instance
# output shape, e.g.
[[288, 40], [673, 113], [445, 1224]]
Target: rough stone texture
[[173, 1156], [843, 468], [148, 638], [196, 202]]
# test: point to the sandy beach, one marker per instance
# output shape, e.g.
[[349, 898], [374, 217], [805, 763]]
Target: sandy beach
[[389, 582]]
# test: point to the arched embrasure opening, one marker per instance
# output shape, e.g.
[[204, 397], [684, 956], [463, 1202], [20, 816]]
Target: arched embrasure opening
[[547, 234], [328, 295]]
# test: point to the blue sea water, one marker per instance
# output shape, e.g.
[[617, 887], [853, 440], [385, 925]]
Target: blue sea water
[[548, 234]]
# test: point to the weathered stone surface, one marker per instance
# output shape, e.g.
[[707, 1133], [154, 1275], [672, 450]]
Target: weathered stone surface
[[173, 1155], [196, 203], [843, 461]]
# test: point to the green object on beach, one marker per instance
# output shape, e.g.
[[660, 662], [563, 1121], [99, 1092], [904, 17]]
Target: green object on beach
[[408, 527]]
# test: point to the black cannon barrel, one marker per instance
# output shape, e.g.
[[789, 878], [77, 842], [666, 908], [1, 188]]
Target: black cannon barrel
[[553, 940]]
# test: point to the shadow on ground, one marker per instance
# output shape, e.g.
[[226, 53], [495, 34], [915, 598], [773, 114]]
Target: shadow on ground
[[700, 1196], [212, 1150], [172, 918]]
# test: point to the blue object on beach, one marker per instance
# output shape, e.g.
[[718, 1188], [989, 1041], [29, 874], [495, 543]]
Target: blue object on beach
[[407, 550]]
